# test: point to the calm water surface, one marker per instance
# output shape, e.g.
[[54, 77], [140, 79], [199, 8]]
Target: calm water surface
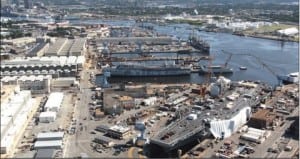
[[281, 58]]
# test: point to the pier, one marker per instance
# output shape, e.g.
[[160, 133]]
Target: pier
[[139, 59]]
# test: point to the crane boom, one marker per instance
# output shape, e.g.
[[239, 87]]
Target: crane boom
[[259, 61]]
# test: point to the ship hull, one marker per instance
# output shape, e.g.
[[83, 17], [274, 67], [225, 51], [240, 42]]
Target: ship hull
[[141, 73], [224, 71], [215, 70]]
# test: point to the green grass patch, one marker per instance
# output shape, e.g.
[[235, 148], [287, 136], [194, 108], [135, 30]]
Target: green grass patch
[[191, 22], [272, 28]]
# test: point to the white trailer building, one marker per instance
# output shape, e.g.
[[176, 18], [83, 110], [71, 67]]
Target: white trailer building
[[54, 101], [50, 144], [46, 117], [50, 136]]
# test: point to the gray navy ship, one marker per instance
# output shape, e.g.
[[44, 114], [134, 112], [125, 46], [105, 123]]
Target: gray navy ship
[[216, 69], [128, 69]]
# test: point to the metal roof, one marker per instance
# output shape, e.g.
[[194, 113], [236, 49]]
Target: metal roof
[[48, 143], [50, 135], [45, 153], [54, 100], [104, 139]]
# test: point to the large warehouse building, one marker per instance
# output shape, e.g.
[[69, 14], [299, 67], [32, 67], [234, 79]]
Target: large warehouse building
[[67, 47], [56, 66]]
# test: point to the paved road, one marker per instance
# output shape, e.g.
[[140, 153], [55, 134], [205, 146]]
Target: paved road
[[289, 154], [75, 142]]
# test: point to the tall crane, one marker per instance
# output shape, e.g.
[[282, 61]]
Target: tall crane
[[228, 59], [207, 79]]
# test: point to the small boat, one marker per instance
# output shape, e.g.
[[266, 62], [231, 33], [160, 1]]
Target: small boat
[[243, 68]]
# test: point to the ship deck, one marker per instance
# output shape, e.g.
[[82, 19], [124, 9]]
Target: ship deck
[[184, 128]]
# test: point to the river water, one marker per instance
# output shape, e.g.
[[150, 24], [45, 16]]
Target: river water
[[281, 58]]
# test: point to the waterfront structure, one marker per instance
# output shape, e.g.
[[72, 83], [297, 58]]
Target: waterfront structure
[[216, 69], [17, 109], [162, 40], [142, 70]]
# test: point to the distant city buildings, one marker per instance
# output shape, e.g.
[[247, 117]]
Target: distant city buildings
[[5, 3]]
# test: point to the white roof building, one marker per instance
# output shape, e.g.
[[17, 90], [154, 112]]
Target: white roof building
[[54, 101], [119, 128], [56, 144], [50, 136], [46, 117], [289, 31], [14, 118]]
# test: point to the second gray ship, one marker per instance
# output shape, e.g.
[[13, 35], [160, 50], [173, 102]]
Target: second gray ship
[[128, 69]]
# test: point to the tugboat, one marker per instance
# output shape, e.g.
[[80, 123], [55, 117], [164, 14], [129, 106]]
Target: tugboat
[[243, 68]]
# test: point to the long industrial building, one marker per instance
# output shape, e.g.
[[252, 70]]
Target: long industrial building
[[56, 66], [67, 47], [17, 109], [36, 84]]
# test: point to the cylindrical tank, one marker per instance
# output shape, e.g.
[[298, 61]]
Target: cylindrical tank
[[214, 90]]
